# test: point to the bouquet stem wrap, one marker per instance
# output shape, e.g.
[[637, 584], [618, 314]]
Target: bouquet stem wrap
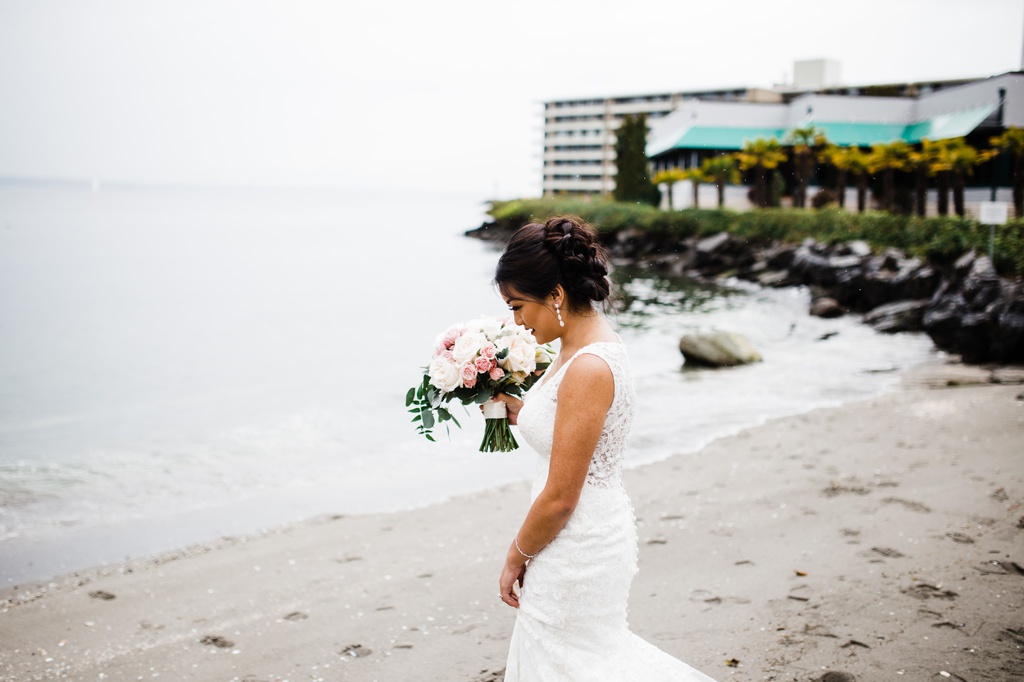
[[497, 432]]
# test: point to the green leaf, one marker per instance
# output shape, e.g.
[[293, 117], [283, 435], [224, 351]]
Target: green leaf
[[410, 396], [481, 398], [428, 419]]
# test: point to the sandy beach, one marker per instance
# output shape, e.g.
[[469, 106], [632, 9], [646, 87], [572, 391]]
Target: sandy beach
[[882, 540]]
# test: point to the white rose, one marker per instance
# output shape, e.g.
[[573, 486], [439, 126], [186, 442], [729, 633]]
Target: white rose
[[489, 327], [444, 374], [521, 356], [467, 347]]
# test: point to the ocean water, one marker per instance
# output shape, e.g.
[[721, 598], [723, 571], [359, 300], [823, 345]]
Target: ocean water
[[179, 364]]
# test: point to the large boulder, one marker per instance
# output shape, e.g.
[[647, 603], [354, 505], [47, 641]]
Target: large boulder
[[826, 306], [718, 349]]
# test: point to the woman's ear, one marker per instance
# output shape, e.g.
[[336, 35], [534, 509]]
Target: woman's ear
[[557, 294]]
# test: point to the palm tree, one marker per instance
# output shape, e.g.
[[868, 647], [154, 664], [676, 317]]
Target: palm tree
[[761, 155], [922, 163], [669, 177], [1012, 142], [959, 159], [722, 171], [887, 158], [695, 176], [853, 162], [808, 145]]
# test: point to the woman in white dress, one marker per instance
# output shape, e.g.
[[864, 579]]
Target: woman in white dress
[[575, 554]]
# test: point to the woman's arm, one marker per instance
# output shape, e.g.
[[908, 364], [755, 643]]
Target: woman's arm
[[584, 397]]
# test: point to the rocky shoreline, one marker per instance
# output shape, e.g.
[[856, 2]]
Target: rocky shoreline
[[965, 307]]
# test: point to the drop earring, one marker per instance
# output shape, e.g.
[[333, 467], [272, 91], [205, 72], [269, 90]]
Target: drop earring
[[561, 322]]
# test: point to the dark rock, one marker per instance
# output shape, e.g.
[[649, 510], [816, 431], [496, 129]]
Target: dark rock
[[713, 243], [857, 247], [779, 257], [811, 267], [775, 278], [973, 338], [1008, 339], [941, 321], [981, 285], [899, 316], [921, 283], [826, 306]]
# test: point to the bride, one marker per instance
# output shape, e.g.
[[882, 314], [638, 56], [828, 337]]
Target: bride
[[575, 554]]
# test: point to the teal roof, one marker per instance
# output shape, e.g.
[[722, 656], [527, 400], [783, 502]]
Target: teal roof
[[707, 137], [860, 134], [948, 125]]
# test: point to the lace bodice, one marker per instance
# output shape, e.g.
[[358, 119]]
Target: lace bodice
[[537, 417]]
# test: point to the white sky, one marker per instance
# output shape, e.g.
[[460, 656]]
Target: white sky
[[430, 94]]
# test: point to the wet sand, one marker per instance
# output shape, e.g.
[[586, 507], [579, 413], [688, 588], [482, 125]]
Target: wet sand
[[882, 539]]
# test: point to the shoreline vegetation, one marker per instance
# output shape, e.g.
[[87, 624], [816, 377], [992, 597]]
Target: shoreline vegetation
[[905, 273], [877, 540]]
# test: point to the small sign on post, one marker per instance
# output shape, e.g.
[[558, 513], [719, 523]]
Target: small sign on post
[[993, 213]]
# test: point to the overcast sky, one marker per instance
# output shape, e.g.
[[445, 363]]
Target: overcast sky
[[402, 93]]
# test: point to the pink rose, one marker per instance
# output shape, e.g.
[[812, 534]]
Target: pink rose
[[488, 351], [469, 375], [483, 365], [497, 373], [447, 355]]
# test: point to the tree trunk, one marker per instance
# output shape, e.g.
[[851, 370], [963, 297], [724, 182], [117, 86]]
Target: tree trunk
[[761, 187], [696, 191], [888, 188], [942, 183], [921, 193], [1018, 185], [668, 188], [721, 193], [958, 194], [862, 192], [841, 187], [800, 184]]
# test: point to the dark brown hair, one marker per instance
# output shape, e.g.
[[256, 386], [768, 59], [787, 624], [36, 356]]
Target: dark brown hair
[[564, 250]]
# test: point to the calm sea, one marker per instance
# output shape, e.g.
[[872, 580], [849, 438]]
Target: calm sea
[[180, 364]]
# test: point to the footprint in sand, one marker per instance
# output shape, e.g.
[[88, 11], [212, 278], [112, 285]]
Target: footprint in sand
[[355, 651], [888, 552], [909, 504], [217, 641], [100, 594], [926, 591]]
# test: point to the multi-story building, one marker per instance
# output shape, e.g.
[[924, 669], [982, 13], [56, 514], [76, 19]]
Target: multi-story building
[[579, 134]]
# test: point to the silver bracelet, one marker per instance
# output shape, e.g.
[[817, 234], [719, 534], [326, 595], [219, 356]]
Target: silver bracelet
[[520, 549]]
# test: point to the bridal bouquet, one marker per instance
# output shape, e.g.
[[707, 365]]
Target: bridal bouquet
[[472, 363]]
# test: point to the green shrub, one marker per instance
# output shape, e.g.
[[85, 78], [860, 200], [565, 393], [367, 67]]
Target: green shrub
[[939, 240]]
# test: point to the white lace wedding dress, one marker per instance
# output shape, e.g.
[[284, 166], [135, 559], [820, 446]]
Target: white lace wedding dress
[[571, 624]]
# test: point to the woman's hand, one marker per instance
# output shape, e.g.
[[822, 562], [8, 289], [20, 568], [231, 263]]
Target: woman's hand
[[512, 406], [512, 573]]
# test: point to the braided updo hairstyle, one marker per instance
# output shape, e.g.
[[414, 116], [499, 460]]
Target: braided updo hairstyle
[[564, 250]]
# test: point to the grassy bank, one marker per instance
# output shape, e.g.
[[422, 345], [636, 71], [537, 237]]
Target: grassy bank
[[939, 240]]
